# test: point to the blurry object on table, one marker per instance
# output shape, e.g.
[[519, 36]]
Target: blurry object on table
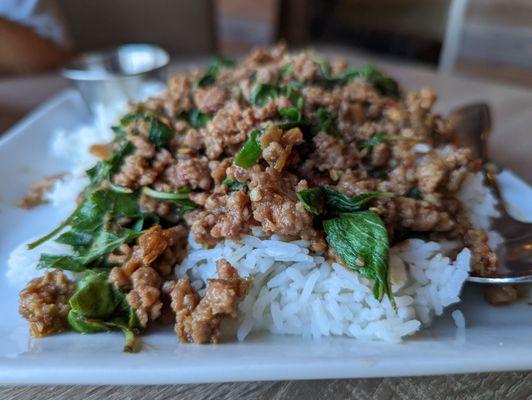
[[407, 29], [181, 27], [36, 35], [410, 29], [32, 36], [243, 24], [490, 39], [114, 76]]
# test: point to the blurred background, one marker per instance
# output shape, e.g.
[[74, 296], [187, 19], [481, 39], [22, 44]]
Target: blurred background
[[486, 39]]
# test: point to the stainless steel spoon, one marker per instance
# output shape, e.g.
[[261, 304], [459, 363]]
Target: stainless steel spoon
[[472, 124]]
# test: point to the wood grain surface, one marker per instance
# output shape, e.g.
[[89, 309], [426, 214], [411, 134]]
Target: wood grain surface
[[497, 386], [511, 145]]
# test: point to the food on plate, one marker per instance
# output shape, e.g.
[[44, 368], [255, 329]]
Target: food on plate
[[292, 194]]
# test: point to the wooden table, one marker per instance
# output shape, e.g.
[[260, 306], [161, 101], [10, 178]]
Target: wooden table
[[511, 145]]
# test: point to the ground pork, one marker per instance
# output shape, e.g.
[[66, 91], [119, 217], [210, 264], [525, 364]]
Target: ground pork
[[144, 297], [225, 215], [483, 260], [198, 320], [276, 208], [158, 248], [44, 303], [209, 100], [332, 153], [154, 255], [278, 145], [189, 172], [422, 216], [498, 295], [228, 128], [37, 191], [178, 97]]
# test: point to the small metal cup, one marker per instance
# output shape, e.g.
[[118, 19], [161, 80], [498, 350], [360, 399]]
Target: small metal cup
[[108, 76]]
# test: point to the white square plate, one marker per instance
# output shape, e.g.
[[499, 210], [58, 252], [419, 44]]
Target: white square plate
[[496, 339]]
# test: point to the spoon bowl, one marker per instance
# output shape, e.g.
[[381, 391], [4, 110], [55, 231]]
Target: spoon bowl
[[472, 124]]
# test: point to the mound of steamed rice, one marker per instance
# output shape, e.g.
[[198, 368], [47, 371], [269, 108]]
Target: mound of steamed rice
[[294, 291]]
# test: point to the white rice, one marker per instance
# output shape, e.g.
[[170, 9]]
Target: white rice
[[478, 200], [297, 293], [22, 262]]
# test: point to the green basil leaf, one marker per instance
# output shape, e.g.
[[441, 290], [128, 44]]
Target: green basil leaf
[[292, 114], [86, 325], [94, 297], [90, 215], [75, 238], [64, 262], [325, 122], [160, 133], [250, 153], [106, 242], [103, 169], [324, 68], [119, 189], [384, 85], [97, 306], [103, 242], [342, 203], [198, 119], [372, 141], [415, 193], [234, 185], [293, 93], [287, 69], [209, 78], [312, 200], [380, 138], [262, 93], [178, 197], [361, 241]]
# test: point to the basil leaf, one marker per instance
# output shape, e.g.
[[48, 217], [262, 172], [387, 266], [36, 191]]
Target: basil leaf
[[64, 262], [383, 84], [262, 93], [342, 203], [380, 138], [415, 193], [324, 68], [293, 93], [119, 189], [287, 69], [325, 123], [234, 185], [86, 230], [103, 242], [83, 324], [361, 241], [93, 297], [75, 238], [312, 200], [178, 197], [292, 114], [160, 133], [250, 153], [103, 169], [209, 78], [198, 119], [97, 306]]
